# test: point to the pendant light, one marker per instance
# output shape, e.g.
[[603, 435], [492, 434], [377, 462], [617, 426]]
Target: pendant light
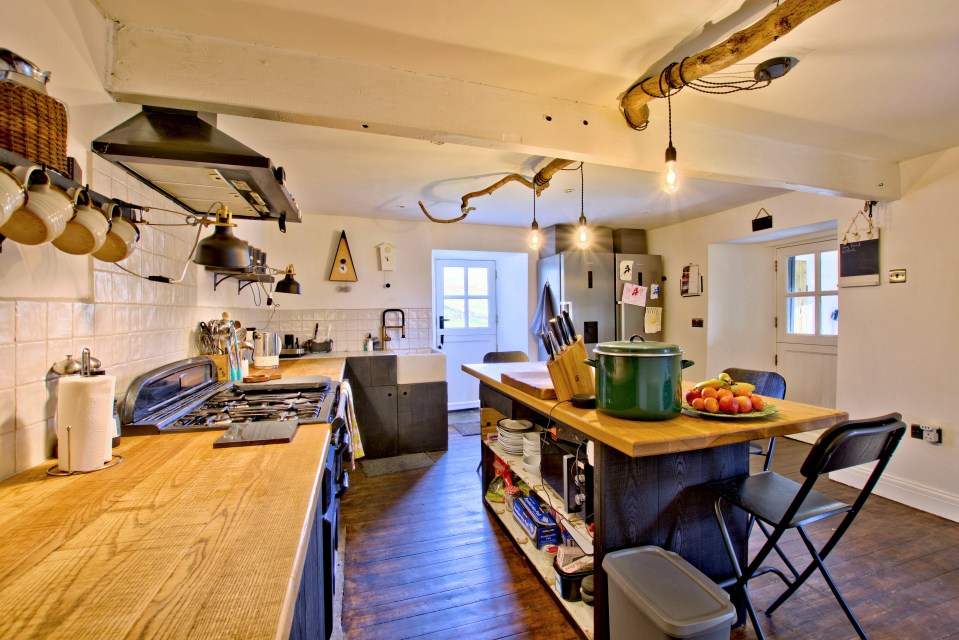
[[582, 234], [288, 284], [670, 178], [534, 238], [222, 248]]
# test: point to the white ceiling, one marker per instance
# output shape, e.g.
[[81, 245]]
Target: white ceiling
[[874, 83]]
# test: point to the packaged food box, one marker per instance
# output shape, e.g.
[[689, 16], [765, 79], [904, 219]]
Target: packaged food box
[[536, 521]]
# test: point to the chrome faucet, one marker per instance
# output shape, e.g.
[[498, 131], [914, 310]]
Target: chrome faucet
[[401, 326]]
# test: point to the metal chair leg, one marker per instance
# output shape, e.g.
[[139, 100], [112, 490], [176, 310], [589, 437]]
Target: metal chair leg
[[769, 453], [740, 583]]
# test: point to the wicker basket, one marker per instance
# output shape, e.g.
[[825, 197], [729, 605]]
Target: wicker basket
[[33, 125]]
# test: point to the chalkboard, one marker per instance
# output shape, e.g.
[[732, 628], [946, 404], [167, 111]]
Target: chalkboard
[[859, 262]]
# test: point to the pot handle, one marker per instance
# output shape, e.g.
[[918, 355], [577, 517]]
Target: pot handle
[[633, 337], [686, 363], [591, 363]]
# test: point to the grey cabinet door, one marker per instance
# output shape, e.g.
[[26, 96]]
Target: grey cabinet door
[[358, 371], [382, 370], [425, 426], [379, 430]]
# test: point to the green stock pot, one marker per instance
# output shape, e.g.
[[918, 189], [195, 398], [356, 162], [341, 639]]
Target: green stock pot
[[639, 380]]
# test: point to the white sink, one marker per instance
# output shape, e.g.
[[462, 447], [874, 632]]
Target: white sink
[[412, 368]]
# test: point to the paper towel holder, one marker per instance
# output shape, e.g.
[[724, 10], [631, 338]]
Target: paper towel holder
[[55, 470]]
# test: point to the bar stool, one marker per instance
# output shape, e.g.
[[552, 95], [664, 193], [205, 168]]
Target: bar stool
[[770, 384], [782, 504]]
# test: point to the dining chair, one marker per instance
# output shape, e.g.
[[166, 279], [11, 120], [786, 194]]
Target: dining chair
[[782, 504], [505, 356], [769, 384]]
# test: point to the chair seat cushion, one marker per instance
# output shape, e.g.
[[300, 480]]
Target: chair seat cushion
[[756, 449], [767, 495]]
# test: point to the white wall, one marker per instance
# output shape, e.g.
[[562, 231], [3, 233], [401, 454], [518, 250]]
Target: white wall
[[897, 344]]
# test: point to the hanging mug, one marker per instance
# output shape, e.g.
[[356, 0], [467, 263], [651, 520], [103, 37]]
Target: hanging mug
[[12, 194], [87, 230], [122, 237], [44, 214]]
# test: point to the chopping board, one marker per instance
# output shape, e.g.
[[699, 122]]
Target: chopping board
[[288, 383], [536, 383]]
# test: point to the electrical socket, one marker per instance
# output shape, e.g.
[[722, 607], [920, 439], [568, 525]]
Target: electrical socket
[[932, 435]]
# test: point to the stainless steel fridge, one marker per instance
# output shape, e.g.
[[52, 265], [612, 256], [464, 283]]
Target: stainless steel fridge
[[641, 270], [581, 282]]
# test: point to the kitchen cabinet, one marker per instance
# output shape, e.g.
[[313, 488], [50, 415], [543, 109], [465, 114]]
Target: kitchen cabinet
[[396, 419]]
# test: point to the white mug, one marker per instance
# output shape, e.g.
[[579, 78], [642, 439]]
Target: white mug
[[44, 215], [86, 231], [12, 194], [121, 238]]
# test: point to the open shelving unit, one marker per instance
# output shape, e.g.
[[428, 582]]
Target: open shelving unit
[[581, 614]]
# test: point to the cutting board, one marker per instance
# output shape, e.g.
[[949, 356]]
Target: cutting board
[[289, 383], [536, 383]]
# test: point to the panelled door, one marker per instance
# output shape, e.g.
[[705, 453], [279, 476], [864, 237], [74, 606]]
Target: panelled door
[[465, 322], [808, 322]]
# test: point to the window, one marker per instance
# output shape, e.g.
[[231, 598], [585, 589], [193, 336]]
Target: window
[[810, 279]]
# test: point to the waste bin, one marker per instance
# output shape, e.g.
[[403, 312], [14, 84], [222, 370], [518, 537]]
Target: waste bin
[[654, 594]]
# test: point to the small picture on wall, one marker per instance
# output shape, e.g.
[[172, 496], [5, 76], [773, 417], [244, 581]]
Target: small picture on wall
[[691, 283]]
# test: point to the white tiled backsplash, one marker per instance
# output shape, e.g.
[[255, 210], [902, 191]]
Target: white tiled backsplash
[[134, 325]]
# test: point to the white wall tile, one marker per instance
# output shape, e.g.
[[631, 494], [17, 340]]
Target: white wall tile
[[32, 402], [82, 319], [8, 417], [103, 320], [34, 445], [8, 322], [102, 286], [8, 372], [31, 321], [8, 454], [59, 320], [31, 362]]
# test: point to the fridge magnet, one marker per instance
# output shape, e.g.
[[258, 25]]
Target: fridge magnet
[[691, 284], [859, 252], [653, 319], [626, 270], [634, 294], [342, 269]]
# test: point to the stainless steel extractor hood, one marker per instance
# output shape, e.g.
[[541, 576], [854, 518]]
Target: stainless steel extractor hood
[[185, 157]]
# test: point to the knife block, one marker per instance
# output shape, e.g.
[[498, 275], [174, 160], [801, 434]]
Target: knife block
[[570, 374]]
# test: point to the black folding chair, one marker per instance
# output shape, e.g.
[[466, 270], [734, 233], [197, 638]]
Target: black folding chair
[[505, 356], [770, 384], [782, 504]]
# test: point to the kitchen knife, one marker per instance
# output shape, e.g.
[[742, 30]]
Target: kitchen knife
[[563, 331], [548, 345], [554, 330], [570, 327]]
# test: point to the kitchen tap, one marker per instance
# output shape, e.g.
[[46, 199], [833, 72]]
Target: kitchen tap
[[401, 326]]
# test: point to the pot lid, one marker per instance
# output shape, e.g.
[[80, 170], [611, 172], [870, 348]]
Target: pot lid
[[637, 346]]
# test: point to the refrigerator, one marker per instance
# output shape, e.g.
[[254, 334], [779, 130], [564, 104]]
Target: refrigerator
[[645, 272], [582, 283]]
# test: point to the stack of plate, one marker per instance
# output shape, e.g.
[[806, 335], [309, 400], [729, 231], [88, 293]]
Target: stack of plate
[[531, 443], [510, 435]]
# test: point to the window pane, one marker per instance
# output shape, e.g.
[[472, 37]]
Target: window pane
[[479, 313], [478, 281], [801, 315], [829, 321], [801, 273], [454, 312], [829, 266], [454, 281]]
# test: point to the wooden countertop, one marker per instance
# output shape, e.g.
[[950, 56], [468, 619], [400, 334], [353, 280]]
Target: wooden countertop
[[329, 366], [682, 433], [179, 540]]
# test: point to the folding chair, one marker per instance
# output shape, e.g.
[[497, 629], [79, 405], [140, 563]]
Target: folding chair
[[770, 384], [782, 504]]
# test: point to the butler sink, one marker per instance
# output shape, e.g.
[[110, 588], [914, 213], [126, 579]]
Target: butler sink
[[412, 368]]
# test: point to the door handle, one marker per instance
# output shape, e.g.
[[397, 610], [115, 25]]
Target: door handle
[[442, 322]]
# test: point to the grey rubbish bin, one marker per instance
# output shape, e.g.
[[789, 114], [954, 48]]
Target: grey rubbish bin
[[654, 594]]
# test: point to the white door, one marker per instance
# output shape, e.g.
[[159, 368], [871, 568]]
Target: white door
[[808, 322], [465, 322]]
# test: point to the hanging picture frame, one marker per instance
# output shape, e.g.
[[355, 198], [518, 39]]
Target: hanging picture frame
[[859, 252], [691, 282]]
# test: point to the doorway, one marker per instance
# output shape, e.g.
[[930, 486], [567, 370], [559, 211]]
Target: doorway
[[476, 312]]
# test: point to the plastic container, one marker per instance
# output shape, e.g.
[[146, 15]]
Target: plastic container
[[654, 594], [568, 584]]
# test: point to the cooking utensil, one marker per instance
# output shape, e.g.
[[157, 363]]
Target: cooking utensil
[[557, 336], [561, 325], [12, 194], [121, 239], [86, 231], [548, 345], [44, 213], [266, 349], [16, 68], [570, 327], [262, 377], [639, 380]]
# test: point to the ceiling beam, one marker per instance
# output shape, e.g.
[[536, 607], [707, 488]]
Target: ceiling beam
[[165, 68]]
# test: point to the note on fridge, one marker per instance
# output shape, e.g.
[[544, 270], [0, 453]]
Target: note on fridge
[[626, 270], [653, 291], [653, 319], [634, 294]]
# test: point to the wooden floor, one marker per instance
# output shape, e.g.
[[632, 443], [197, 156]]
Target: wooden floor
[[425, 560]]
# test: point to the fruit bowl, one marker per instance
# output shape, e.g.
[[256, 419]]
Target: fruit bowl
[[768, 410]]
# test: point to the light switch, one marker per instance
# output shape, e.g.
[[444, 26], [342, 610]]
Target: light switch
[[897, 275]]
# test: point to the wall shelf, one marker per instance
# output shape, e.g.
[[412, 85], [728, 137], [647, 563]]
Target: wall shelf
[[243, 279]]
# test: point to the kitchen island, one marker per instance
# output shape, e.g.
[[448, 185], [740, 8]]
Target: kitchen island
[[648, 476], [179, 540]]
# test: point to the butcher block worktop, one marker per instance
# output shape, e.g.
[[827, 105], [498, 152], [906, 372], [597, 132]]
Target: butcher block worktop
[[179, 540], [682, 433]]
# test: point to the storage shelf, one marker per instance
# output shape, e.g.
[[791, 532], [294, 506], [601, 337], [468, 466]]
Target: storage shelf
[[582, 614], [535, 482]]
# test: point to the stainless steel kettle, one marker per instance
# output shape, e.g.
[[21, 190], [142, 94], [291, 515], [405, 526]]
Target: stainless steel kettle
[[266, 350]]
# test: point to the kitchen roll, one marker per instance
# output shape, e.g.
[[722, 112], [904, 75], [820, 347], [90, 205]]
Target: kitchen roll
[[85, 404]]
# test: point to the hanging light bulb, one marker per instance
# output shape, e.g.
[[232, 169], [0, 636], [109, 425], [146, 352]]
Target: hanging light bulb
[[670, 182], [534, 238], [582, 234]]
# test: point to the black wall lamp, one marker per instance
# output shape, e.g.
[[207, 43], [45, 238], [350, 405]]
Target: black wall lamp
[[288, 284], [222, 248]]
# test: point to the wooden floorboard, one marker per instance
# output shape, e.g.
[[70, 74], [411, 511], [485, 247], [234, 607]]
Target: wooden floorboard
[[425, 560]]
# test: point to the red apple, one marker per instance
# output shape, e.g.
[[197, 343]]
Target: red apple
[[728, 405], [745, 404], [692, 395]]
